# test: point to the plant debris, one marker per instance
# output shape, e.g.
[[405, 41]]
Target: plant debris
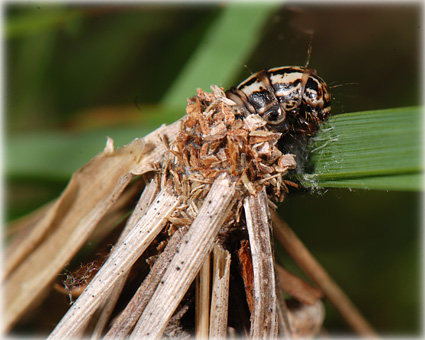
[[210, 182]]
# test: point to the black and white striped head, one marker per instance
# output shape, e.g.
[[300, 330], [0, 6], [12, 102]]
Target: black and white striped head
[[291, 99]]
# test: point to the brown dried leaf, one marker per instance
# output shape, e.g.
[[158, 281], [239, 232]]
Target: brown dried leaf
[[209, 160], [259, 136], [219, 129], [194, 109], [204, 124], [239, 135]]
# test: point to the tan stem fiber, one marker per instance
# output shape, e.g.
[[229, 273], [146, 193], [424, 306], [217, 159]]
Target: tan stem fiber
[[202, 318]]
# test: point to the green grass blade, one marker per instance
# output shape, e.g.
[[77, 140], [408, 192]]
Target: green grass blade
[[222, 53], [372, 149], [409, 182]]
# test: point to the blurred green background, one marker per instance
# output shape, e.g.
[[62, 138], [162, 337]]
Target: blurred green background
[[75, 74]]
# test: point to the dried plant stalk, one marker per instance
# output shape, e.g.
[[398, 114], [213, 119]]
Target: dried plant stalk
[[145, 201], [195, 246], [264, 319], [315, 271], [126, 321], [118, 264], [220, 293], [298, 288]]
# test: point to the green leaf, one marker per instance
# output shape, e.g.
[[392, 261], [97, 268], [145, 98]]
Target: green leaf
[[223, 51], [372, 149]]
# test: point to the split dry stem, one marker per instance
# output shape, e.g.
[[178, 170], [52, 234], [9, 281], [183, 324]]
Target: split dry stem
[[195, 246], [148, 195], [220, 293], [126, 321]]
